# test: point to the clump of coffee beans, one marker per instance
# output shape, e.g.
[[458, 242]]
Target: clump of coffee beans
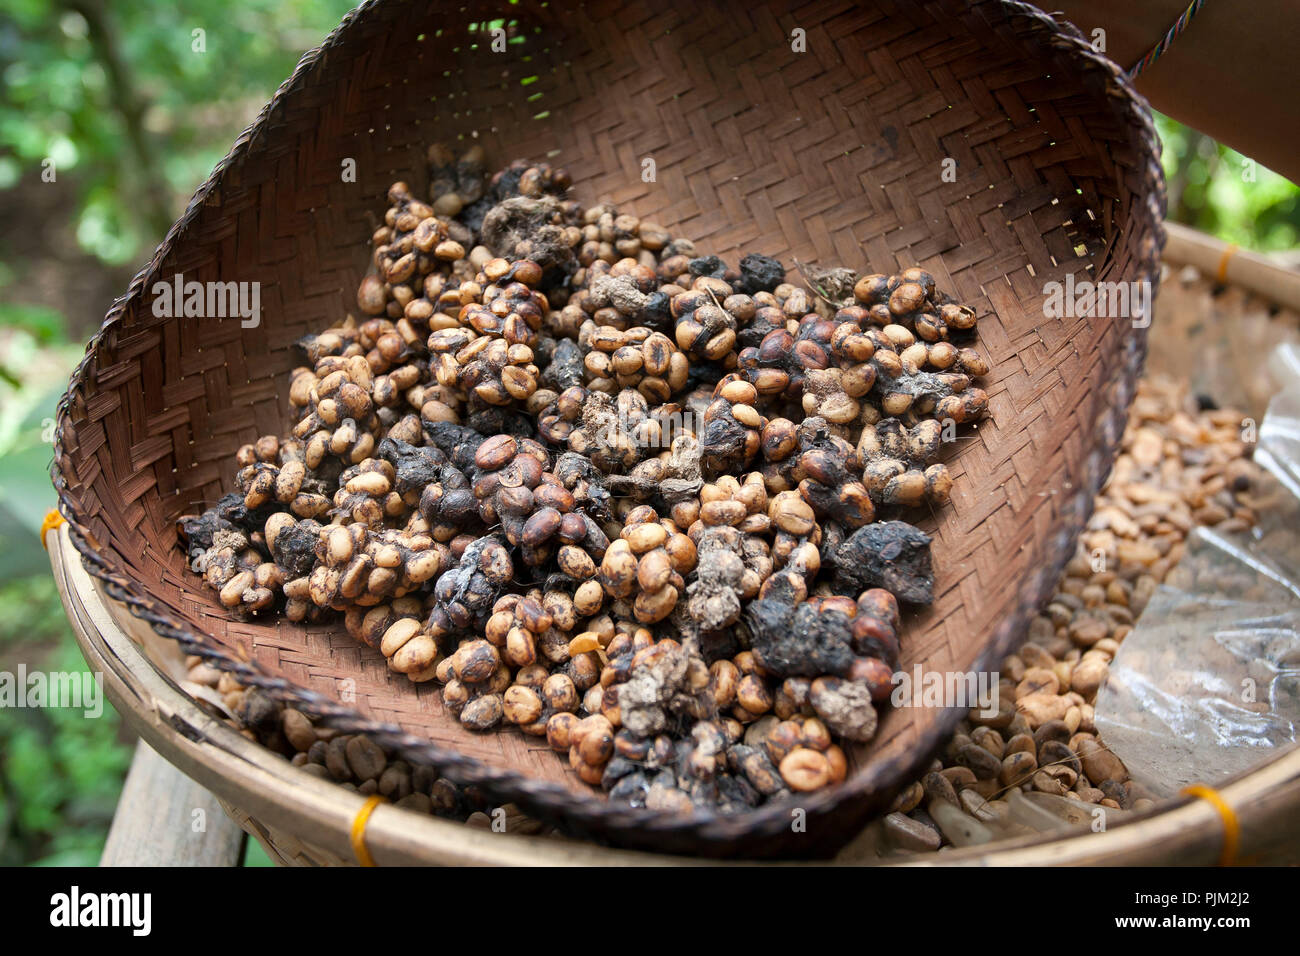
[[607, 490]]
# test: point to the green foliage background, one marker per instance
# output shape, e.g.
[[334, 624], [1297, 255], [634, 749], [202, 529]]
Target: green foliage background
[[130, 108], [1220, 191]]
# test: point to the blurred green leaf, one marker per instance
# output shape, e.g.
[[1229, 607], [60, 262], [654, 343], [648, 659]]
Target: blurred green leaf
[[25, 489], [44, 323], [1219, 191], [118, 96], [31, 613], [255, 855], [60, 770]]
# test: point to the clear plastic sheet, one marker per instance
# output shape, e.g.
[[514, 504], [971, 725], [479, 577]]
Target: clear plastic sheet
[[1208, 682]]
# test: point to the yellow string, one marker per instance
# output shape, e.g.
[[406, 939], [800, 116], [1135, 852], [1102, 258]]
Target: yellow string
[[1222, 275], [1231, 825], [52, 520], [359, 830]]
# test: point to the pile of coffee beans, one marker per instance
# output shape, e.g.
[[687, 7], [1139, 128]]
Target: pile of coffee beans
[[627, 498]]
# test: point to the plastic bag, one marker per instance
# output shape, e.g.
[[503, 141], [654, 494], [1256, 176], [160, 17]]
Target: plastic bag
[[1208, 682]]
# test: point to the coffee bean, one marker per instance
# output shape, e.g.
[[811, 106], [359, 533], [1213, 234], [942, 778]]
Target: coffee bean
[[983, 764], [1099, 763], [907, 834], [1055, 752], [336, 759], [1017, 768], [316, 770], [938, 787], [298, 729], [1051, 730], [804, 769], [365, 758]]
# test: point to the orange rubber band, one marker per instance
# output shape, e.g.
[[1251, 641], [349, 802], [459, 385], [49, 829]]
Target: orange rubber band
[[1231, 826], [52, 520], [1222, 275], [359, 830]]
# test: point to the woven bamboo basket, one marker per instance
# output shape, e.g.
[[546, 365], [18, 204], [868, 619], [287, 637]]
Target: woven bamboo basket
[[830, 156]]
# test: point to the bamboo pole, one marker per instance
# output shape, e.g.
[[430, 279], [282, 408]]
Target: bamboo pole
[[1229, 265]]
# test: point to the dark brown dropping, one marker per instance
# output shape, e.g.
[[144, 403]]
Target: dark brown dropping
[[759, 771], [892, 555], [798, 641]]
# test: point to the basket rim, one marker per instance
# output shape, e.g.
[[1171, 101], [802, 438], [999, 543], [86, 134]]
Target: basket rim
[[590, 815]]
